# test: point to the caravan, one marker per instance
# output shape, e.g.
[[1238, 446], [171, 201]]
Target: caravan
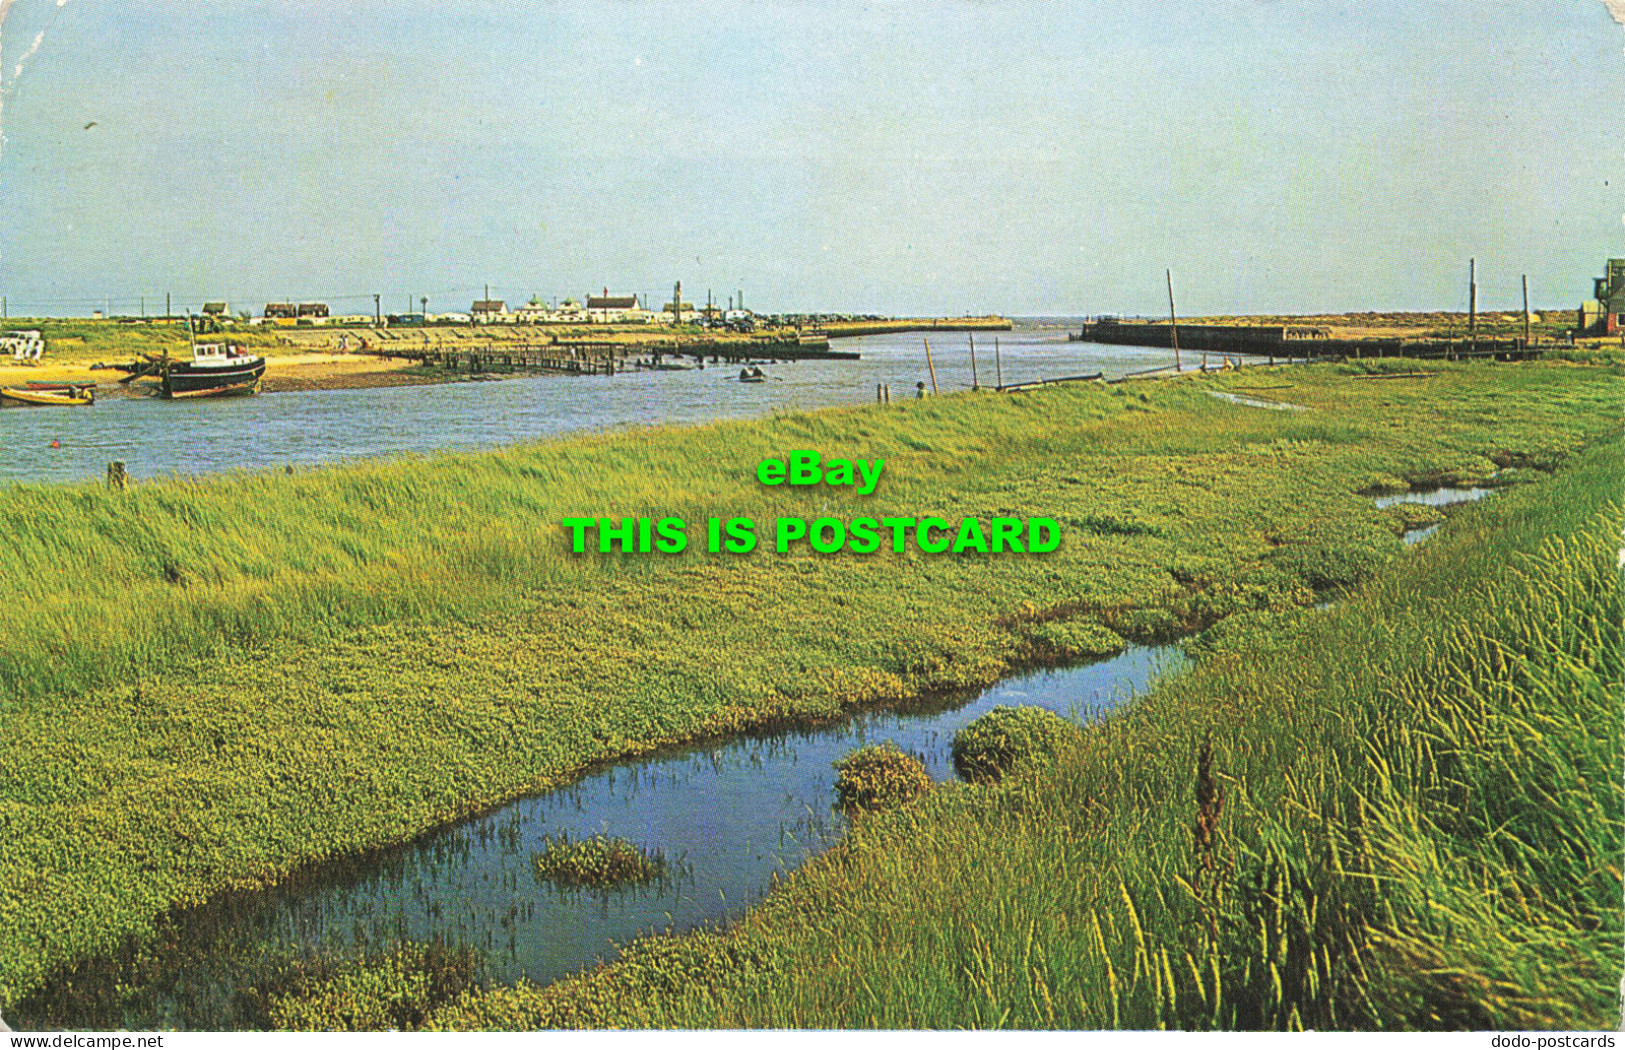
[[26, 347]]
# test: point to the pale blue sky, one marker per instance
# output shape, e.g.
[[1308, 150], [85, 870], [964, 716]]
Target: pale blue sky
[[1026, 158]]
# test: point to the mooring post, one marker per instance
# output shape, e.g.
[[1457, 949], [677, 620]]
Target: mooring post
[[998, 365], [117, 479], [932, 366], [975, 384]]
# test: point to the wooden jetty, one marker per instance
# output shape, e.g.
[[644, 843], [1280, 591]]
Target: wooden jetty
[[508, 357], [607, 358], [1309, 342], [803, 348]]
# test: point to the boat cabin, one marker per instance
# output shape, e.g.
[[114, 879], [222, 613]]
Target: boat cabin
[[217, 355]]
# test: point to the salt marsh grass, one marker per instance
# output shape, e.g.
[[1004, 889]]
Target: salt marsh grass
[[1400, 813]]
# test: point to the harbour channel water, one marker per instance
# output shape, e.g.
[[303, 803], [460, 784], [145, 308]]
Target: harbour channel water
[[729, 818], [154, 438]]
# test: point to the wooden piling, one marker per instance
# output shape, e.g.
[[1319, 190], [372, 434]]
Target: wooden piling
[[117, 479], [931, 366], [998, 365], [975, 384]]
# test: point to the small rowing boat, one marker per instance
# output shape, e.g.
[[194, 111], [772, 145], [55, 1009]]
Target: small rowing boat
[[51, 394]]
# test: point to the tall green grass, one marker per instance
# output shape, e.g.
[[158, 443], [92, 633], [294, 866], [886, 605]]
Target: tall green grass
[[206, 682], [1401, 813]]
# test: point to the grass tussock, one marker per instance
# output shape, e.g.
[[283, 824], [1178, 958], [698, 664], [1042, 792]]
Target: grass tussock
[[206, 683], [1009, 737], [1400, 813], [1079, 639], [598, 861], [878, 777]]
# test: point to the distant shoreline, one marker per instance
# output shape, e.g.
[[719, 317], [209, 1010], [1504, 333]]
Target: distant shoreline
[[309, 358], [343, 358]]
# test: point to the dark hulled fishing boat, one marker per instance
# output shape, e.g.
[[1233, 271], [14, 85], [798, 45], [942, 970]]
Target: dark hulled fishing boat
[[215, 370]]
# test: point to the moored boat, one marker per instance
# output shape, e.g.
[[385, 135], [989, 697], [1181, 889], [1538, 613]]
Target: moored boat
[[51, 394], [215, 370]]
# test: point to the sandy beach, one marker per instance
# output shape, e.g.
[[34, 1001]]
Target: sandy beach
[[307, 371]]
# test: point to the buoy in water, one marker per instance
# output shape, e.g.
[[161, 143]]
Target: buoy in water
[[55, 443]]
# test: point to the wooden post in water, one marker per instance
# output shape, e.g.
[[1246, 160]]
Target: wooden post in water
[[930, 365], [117, 479], [998, 365], [974, 383], [1173, 322]]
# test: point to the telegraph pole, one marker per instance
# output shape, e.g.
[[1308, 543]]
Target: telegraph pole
[[377, 311], [1173, 322], [1472, 302], [1525, 309]]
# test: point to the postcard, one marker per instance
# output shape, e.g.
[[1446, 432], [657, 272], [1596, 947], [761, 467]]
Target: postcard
[[815, 517]]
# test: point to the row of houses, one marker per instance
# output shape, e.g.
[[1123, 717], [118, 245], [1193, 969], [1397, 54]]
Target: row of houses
[[597, 309], [606, 309], [590, 309]]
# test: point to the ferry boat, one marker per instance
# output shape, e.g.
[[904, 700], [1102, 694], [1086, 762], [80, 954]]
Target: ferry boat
[[215, 370]]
